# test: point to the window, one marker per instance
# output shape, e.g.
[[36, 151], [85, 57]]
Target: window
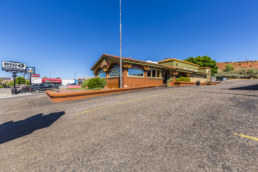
[[154, 73], [102, 74], [135, 71], [149, 73], [114, 71], [158, 73]]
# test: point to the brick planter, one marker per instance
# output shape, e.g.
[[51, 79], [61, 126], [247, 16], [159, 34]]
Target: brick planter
[[184, 84], [213, 83], [62, 97]]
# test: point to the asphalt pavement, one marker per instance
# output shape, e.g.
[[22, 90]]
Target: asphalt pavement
[[205, 128]]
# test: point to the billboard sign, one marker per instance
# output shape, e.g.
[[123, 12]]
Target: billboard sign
[[13, 66], [35, 75], [51, 80], [30, 70]]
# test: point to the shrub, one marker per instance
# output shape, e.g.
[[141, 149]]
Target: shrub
[[96, 83], [85, 83], [1, 86], [185, 79], [229, 67]]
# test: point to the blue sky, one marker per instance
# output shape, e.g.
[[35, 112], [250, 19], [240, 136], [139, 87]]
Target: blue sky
[[61, 37]]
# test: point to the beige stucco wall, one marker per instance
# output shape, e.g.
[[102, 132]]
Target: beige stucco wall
[[201, 78]]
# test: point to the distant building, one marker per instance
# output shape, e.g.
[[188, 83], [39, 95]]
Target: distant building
[[6, 79], [140, 73]]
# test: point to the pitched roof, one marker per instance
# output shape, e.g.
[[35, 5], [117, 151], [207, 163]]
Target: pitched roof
[[168, 60], [129, 60], [133, 61]]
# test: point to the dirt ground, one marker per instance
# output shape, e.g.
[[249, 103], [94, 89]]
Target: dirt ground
[[206, 128]]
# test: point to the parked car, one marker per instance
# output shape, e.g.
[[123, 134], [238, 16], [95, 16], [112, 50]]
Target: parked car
[[55, 86], [71, 84], [41, 87]]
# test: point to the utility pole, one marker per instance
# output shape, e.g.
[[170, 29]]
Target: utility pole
[[121, 72]]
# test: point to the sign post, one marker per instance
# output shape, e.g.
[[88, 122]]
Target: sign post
[[14, 85], [14, 67], [30, 70]]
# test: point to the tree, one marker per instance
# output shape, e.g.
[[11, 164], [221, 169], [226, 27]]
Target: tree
[[229, 67], [20, 80], [204, 61], [11, 83], [27, 82], [1, 80]]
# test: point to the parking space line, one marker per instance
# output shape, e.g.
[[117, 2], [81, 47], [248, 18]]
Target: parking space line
[[249, 137], [128, 101]]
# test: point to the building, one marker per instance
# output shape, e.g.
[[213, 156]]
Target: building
[[141, 73], [6, 79]]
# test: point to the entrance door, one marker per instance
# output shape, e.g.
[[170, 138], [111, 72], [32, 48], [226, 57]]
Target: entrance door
[[165, 77]]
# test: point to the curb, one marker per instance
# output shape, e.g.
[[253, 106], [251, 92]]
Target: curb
[[63, 97]]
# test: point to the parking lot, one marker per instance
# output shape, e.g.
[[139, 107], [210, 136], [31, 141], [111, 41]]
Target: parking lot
[[206, 128]]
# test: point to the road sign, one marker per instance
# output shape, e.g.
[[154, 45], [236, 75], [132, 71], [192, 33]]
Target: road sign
[[30, 70], [13, 66], [35, 75]]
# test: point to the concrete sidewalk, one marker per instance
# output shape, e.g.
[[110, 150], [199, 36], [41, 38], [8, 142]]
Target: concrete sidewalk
[[5, 93]]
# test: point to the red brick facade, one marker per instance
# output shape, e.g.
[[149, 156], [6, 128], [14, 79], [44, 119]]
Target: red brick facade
[[133, 81], [244, 64]]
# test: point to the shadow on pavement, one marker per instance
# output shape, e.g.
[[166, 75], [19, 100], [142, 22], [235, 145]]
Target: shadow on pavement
[[13, 130], [250, 87]]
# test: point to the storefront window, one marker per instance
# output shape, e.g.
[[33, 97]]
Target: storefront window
[[114, 71], [135, 71], [149, 73], [158, 73], [154, 73]]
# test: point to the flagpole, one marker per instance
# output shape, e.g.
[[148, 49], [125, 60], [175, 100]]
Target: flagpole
[[121, 72]]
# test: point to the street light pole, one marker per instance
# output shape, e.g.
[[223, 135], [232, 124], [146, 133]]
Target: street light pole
[[121, 72]]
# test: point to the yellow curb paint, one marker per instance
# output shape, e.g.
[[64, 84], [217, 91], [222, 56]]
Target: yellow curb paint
[[249, 137], [128, 101]]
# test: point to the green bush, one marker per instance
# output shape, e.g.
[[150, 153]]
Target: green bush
[[185, 79], [85, 83], [96, 83], [229, 67], [1, 86]]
